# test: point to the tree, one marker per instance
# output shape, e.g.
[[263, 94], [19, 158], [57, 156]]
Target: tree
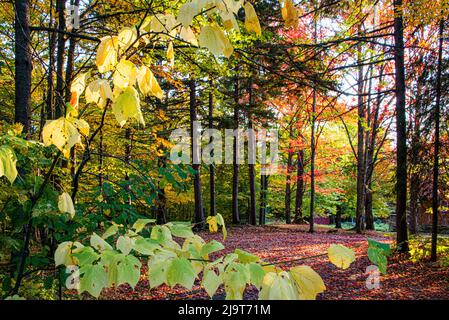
[[401, 137], [23, 64]]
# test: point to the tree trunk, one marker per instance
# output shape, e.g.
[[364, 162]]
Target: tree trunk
[[213, 205], [235, 175], [338, 216], [199, 213], [161, 213], [360, 206], [299, 188], [60, 106], [288, 183], [401, 134], [312, 139], [251, 159], [263, 197], [23, 64], [436, 160]]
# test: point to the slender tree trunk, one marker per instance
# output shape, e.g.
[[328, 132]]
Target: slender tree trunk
[[288, 186], [436, 160], [235, 175], [161, 214], [48, 112], [312, 139], [360, 206], [251, 158], [401, 134], [370, 159], [263, 197], [213, 207], [23, 64], [60, 107], [199, 213], [338, 216], [128, 148], [299, 188]]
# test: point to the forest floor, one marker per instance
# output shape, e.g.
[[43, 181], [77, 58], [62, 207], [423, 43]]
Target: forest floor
[[405, 279]]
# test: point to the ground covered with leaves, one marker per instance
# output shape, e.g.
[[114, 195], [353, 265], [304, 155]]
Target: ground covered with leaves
[[288, 246]]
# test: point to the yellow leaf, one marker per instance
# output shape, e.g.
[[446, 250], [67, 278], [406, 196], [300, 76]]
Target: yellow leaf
[[106, 58], [127, 105], [64, 133], [79, 84], [171, 54], [8, 162], [65, 204], [127, 37], [340, 256], [229, 21], [290, 14], [187, 35], [186, 13], [98, 92], [125, 74], [233, 6], [251, 21], [212, 222], [278, 286], [148, 83], [308, 281], [214, 39]]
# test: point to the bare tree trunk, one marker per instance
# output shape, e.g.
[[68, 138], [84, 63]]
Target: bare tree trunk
[[251, 158], [288, 178], [161, 214], [401, 134], [312, 139], [338, 216], [360, 206], [263, 197], [199, 213], [235, 175], [60, 106], [213, 206], [23, 64], [436, 160], [299, 188]]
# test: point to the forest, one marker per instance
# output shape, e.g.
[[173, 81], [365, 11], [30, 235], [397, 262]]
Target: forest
[[224, 150]]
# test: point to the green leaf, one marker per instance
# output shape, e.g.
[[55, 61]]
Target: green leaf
[[246, 257], [98, 243], [181, 230], [85, 255], [141, 223], [384, 246], [125, 244], [93, 280], [181, 272], [157, 270], [146, 246], [211, 281], [257, 274], [162, 234], [128, 271], [112, 230], [221, 222], [377, 256], [210, 247]]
